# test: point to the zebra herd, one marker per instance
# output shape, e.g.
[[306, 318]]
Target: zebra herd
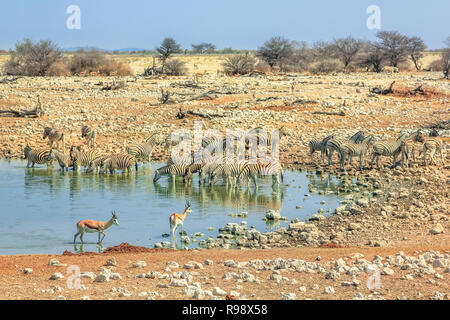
[[91, 159], [358, 145], [233, 172]]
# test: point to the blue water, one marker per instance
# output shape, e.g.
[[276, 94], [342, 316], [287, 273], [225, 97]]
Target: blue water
[[39, 207]]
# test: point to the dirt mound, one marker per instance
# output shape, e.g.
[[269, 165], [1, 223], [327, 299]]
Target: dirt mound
[[331, 245], [125, 247]]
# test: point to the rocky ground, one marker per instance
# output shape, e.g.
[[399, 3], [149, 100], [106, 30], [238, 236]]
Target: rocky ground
[[402, 231]]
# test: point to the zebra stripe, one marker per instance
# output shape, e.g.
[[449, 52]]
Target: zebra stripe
[[54, 136], [39, 156], [64, 160], [387, 148], [117, 162], [318, 145], [191, 169], [334, 144], [350, 149], [90, 136], [228, 171], [255, 170], [432, 144], [96, 163], [82, 158], [172, 169], [142, 151]]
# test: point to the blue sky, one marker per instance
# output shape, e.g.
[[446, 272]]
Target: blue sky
[[241, 24]]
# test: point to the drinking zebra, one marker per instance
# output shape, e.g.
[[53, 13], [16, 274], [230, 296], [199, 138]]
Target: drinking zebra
[[316, 145], [96, 163], [63, 159], [116, 162], [350, 149], [334, 143], [228, 171], [388, 148], [82, 158], [90, 136], [142, 151], [191, 169], [54, 136], [255, 170], [172, 169], [39, 156]]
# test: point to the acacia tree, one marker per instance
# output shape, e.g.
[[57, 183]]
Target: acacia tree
[[33, 59], [415, 48], [276, 50], [394, 46], [346, 49], [203, 47], [373, 57], [168, 47]]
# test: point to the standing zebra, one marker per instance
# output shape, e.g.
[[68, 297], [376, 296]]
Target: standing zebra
[[142, 151], [172, 169], [316, 145], [229, 171], [90, 136], [409, 148], [432, 144], [82, 158], [54, 136], [116, 162], [350, 149], [63, 159], [388, 148], [39, 156], [334, 143], [255, 170]]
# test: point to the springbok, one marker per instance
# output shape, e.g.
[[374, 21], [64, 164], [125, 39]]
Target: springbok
[[92, 226], [177, 219]]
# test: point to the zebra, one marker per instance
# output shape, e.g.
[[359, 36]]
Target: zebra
[[82, 158], [409, 148], [334, 143], [388, 148], [191, 169], [96, 163], [90, 136], [207, 170], [54, 136], [116, 162], [432, 144], [255, 170], [350, 149], [228, 171], [172, 169], [142, 151], [63, 159], [39, 156], [316, 145]]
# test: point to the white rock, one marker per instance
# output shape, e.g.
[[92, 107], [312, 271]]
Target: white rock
[[219, 292], [56, 276], [139, 264]]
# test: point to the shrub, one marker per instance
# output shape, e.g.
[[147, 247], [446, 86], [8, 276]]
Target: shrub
[[175, 67], [239, 64], [326, 66], [97, 61], [32, 59], [276, 51]]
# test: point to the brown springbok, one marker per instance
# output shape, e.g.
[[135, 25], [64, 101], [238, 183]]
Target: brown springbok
[[177, 219], [92, 226]]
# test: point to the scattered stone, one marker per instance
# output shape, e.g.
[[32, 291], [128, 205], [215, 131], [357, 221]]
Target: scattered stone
[[56, 276]]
